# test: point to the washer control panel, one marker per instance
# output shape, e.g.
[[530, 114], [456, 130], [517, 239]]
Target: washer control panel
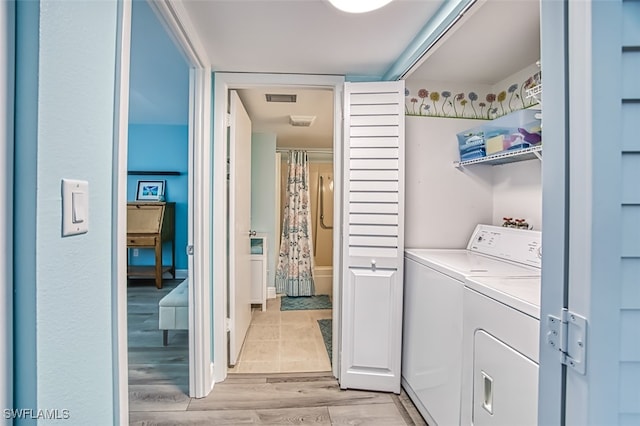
[[516, 245]]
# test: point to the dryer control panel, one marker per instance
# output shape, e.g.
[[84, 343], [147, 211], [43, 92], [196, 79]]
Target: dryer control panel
[[515, 245]]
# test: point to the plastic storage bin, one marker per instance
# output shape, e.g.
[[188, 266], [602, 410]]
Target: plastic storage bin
[[471, 144], [511, 132], [518, 130]]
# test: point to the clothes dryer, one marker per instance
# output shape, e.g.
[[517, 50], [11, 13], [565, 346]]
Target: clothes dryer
[[500, 351], [433, 311]]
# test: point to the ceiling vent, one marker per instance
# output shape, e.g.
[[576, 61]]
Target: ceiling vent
[[301, 120], [281, 98]]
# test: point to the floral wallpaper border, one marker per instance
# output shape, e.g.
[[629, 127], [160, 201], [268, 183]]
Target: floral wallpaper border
[[465, 105]]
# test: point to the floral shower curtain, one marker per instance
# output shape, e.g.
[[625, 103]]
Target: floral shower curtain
[[294, 276]]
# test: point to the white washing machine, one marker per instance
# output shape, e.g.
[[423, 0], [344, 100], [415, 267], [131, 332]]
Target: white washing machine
[[433, 311], [500, 351]]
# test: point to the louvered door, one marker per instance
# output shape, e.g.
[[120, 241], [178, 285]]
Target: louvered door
[[373, 236]]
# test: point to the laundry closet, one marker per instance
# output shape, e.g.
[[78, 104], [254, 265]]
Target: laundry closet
[[470, 337]]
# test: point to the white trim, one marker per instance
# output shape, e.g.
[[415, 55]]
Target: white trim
[[200, 378], [190, 225], [223, 83], [173, 16], [338, 217], [554, 206], [176, 21], [7, 17], [119, 233]]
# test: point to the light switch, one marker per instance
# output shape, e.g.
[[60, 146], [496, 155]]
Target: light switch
[[78, 206], [75, 207]]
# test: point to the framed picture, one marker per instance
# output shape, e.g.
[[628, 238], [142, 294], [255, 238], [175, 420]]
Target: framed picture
[[150, 190]]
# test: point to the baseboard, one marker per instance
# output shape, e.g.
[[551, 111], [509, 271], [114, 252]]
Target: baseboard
[[180, 274], [271, 292]]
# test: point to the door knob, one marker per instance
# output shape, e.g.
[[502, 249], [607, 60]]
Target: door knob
[[252, 233]]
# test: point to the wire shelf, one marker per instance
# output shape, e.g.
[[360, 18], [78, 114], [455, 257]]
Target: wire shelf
[[505, 157], [536, 93]]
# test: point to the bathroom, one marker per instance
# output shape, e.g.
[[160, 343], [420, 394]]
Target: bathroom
[[321, 196], [281, 340]]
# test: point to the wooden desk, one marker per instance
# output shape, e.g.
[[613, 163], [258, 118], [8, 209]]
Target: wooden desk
[[149, 225]]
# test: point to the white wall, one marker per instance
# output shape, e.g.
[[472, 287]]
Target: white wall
[[65, 130], [517, 192], [442, 203], [263, 194]]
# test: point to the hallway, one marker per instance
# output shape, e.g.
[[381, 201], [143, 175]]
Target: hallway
[[279, 399], [277, 341]]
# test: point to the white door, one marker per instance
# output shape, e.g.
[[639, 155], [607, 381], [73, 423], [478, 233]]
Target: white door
[[373, 236], [239, 225]]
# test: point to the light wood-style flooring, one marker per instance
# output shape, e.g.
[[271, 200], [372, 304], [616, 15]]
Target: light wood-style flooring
[[158, 385]]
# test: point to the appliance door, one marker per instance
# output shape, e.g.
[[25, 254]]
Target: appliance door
[[505, 384], [432, 340]]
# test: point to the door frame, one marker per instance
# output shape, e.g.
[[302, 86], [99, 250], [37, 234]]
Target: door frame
[[176, 21], [223, 82], [555, 205]]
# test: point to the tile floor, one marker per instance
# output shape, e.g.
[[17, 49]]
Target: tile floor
[[284, 342]]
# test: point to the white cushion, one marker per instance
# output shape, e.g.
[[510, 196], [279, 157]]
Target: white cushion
[[174, 308]]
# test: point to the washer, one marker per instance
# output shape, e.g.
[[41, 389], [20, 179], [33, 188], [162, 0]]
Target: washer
[[500, 351], [433, 311]]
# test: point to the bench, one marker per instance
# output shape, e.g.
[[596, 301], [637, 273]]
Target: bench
[[174, 311]]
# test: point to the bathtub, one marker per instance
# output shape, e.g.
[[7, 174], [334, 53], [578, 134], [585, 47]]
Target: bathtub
[[323, 279]]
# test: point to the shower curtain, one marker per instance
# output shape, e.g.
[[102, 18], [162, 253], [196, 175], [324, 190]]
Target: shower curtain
[[294, 276]]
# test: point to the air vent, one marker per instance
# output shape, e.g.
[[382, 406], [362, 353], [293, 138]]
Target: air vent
[[301, 120], [280, 98]]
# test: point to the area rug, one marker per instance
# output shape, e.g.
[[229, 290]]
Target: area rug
[[305, 302], [325, 329]]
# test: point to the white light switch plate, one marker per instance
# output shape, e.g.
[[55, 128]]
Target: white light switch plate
[[75, 207]]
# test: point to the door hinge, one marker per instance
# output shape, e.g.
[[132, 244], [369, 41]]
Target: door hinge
[[227, 120], [568, 335], [227, 324], [190, 250]]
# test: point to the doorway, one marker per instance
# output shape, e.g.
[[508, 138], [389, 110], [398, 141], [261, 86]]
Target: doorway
[[285, 335], [231, 81], [200, 368], [157, 151]]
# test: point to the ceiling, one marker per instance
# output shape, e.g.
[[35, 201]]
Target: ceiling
[[306, 36], [494, 39]]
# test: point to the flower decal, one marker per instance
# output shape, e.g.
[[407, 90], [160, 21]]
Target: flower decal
[[474, 97], [435, 97], [512, 90], [502, 96], [445, 101], [453, 104], [491, 98]]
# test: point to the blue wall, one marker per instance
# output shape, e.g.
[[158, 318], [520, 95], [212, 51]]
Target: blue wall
[[162, 148], [263, 194], [65, 78]]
